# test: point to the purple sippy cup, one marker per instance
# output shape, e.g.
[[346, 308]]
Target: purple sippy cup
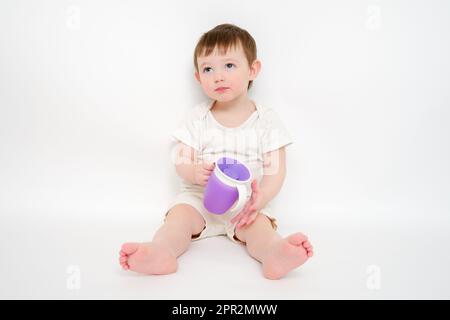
[[226, 186]]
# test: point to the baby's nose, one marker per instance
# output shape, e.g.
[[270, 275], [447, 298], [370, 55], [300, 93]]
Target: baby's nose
[[218, 77]]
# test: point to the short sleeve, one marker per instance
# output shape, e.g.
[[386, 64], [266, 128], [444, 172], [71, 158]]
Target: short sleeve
[[274, 133], [189, 130]]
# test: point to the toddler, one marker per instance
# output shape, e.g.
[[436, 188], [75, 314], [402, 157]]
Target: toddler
[[229, 124]]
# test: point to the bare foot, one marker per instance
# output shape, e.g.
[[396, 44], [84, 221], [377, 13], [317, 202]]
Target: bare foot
[[148, 258], [286, 255]]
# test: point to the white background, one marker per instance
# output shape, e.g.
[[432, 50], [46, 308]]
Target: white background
[[91, 90]]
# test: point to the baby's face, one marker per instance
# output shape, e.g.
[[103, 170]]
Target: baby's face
[[230, 71]]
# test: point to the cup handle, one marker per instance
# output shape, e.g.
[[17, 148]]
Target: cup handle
[[242, 198]]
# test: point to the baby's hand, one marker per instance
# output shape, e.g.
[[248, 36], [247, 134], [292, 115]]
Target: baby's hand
[[202, 171], [248, 215]]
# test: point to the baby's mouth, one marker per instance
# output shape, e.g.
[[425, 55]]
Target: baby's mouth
[[221, 89]]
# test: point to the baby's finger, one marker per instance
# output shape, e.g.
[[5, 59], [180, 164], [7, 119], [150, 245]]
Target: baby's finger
[[251, 218], [255, 187], [208, 166], [240, 214], [237, 218], [206, 172], [245, 220], [242, 222]]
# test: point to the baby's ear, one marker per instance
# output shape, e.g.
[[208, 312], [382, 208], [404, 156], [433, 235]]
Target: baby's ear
[[255, 69], [197, 76]]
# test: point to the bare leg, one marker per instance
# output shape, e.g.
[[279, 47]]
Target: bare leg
[[170, 241], [278, 255]]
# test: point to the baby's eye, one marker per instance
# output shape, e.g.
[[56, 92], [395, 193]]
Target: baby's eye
[[230, 65], [204, 69]]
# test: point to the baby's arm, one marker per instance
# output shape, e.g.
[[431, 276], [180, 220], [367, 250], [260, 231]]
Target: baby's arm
[[274, 173], [189, 169]]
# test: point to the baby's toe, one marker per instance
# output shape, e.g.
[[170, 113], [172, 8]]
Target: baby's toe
[[308, 247], [297, 239], [306, 244], [124, 264], [130, 248], [309, 251]]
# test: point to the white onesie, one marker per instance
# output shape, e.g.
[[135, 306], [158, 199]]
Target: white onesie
[[262, 132]]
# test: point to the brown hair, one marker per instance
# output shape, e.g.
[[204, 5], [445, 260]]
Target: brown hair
[[225, 36]]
